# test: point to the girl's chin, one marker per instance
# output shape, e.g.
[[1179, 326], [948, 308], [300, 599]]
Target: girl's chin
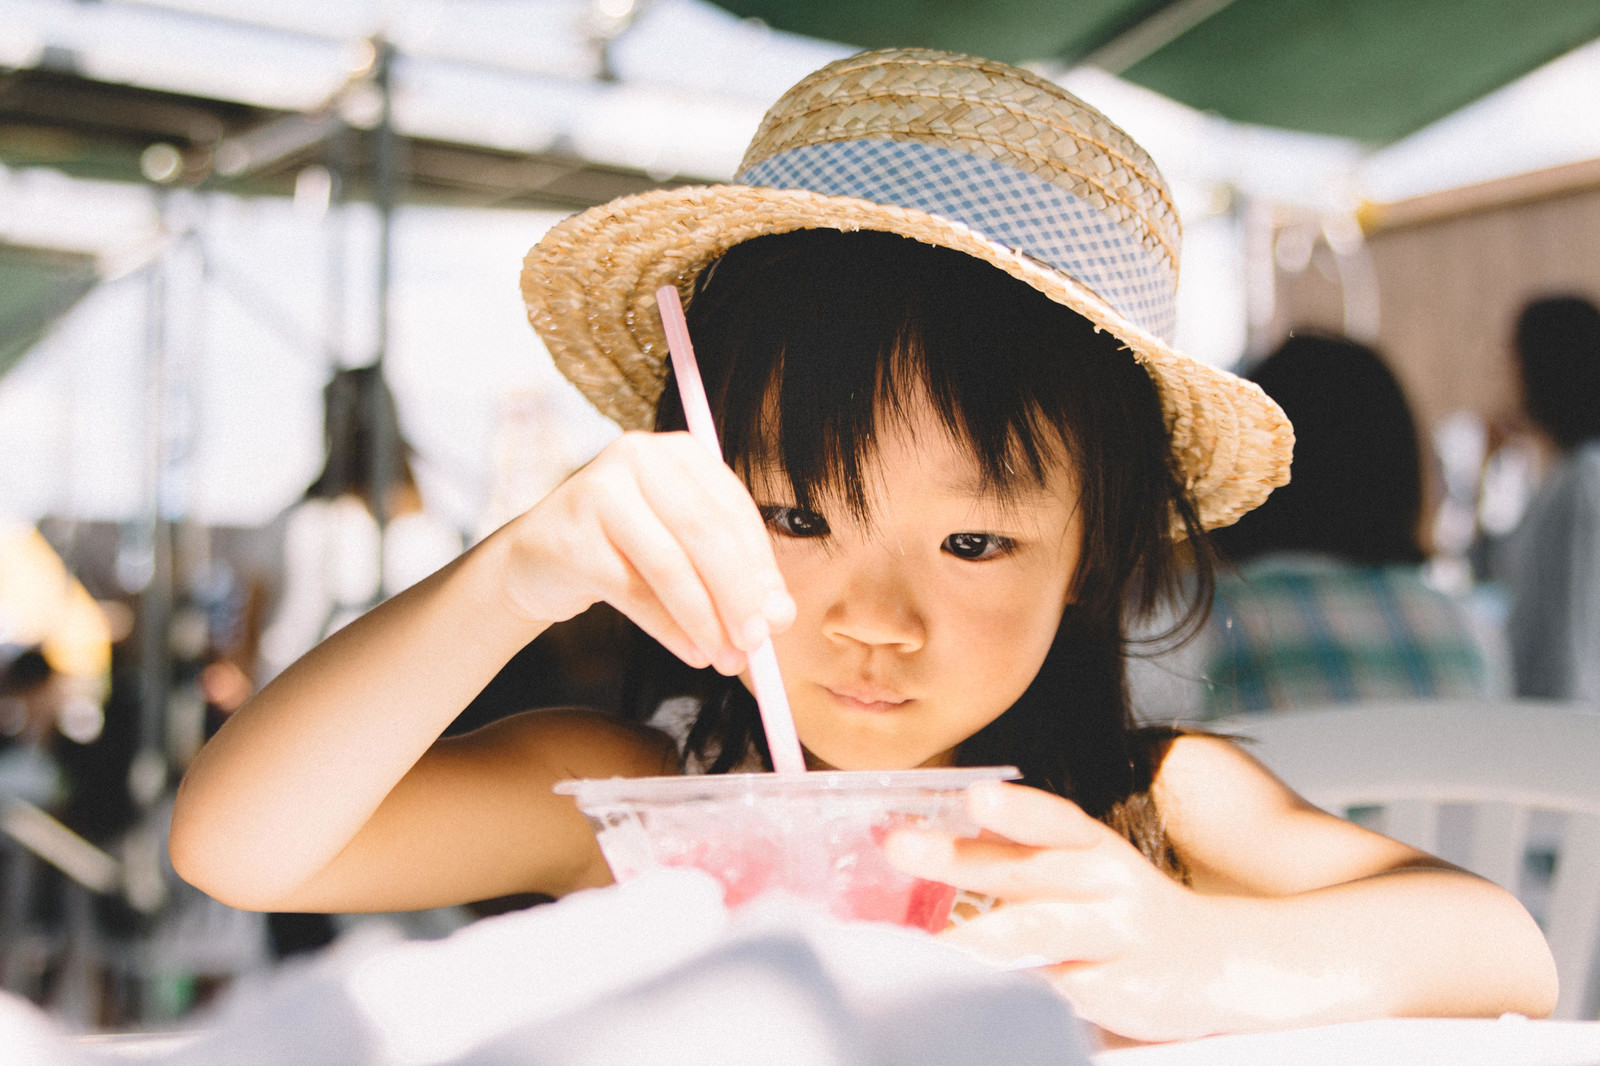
[[866, 761]]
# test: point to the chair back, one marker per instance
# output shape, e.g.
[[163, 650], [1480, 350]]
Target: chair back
[[1508, 789]]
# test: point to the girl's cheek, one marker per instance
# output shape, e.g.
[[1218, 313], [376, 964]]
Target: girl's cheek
[[804, 568]]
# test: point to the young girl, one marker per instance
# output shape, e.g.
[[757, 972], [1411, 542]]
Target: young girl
[[930, 321]]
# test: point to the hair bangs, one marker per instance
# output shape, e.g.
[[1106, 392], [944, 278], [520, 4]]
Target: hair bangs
[[804, 386]]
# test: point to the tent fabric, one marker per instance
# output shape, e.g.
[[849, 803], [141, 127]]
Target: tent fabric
[[39, 285], [1370, 70]]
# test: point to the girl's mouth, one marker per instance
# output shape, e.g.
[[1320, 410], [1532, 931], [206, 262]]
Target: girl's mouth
[[867, 697]]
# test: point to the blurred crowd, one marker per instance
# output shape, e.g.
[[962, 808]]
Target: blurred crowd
[[123, 649]]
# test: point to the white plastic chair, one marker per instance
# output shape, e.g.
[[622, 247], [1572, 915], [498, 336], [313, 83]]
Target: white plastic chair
[[1492, 786]]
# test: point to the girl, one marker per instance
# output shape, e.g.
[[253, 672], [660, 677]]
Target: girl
[[958, 451]]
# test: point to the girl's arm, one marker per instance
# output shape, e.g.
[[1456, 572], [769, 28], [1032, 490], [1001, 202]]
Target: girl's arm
[[1295, 917], [330, 789]]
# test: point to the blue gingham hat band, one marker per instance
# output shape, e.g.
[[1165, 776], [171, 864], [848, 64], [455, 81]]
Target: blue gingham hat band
[[960, 152], [1018, 210]]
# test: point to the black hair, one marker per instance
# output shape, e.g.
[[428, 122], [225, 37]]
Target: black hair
[[1356, 489], [806, 339], [28, 670], [360, 429], [1558, 356]]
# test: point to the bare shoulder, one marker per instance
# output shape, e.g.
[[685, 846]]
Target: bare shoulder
[[1240, 828], [1203, 770], [573, 742]]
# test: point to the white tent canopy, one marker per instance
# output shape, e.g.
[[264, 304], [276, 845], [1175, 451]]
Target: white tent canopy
[[190, 378]]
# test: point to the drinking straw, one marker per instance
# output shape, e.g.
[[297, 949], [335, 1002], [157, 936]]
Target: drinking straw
[[776, 718]]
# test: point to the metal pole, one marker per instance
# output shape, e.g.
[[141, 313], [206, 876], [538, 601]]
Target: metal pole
[[385, 179], [155, 612]]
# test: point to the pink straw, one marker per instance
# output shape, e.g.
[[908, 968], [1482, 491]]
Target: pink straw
[[776, 718]]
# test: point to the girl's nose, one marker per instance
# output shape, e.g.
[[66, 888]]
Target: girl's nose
[[877, 604]]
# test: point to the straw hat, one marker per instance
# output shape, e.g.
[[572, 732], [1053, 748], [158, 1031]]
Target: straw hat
[[948, 149]]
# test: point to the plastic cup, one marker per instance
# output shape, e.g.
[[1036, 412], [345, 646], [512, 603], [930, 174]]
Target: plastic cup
[[815, 837]]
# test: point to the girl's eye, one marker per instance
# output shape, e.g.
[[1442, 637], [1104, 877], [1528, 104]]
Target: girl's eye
[[977, 546], [794, 522]]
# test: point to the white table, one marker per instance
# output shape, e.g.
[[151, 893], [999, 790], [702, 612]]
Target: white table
[[1395, 1042], [660, 961], [1509, 1041]]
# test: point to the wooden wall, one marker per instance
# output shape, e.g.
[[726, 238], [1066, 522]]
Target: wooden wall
[[1439, 280]]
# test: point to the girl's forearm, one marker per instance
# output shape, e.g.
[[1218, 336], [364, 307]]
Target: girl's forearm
[[1416, 942], [293, 776]]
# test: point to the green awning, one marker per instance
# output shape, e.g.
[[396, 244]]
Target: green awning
[[1372, 70], [37, 287]]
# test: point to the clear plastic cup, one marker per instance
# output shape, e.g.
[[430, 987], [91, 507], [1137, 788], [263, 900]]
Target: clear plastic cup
[[815, 837]]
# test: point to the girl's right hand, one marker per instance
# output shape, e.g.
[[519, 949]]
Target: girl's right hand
[[665, 532]]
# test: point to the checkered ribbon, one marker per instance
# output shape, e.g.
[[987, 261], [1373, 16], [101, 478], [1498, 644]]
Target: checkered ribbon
[[1022, 212]]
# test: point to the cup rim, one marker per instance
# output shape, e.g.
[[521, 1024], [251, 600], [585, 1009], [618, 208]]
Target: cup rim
[[685, 787]]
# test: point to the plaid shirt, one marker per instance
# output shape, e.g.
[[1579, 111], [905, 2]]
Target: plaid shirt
[[1550, 566], [1304, 630]]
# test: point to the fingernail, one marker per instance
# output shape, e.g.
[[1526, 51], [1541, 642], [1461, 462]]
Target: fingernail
[[983, 797], [778, 608], [911, 847], [753, 632]]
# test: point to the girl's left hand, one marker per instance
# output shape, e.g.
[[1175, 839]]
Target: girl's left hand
[[1127, 945]]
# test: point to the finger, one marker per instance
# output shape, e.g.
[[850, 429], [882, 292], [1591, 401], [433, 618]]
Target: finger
[[650, 615], [662, 590], [1034, 845], [1007, 870], [607, 573], [1022, 935], [1032, 816], [720, 529]]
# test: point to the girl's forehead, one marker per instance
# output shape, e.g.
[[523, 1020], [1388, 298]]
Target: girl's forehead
[[911, 445]]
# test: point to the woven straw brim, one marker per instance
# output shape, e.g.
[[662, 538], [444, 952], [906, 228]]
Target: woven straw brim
[[590, 288]]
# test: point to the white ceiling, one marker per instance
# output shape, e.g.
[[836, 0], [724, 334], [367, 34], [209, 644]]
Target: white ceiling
[[248, 346]]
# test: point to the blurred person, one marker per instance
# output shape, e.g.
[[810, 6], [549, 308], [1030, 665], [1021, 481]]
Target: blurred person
[[343, 552], [30, 890], [44, 608], [55, 674], [52, 893], [32, 697], [1323, 597], [1550, 564]]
